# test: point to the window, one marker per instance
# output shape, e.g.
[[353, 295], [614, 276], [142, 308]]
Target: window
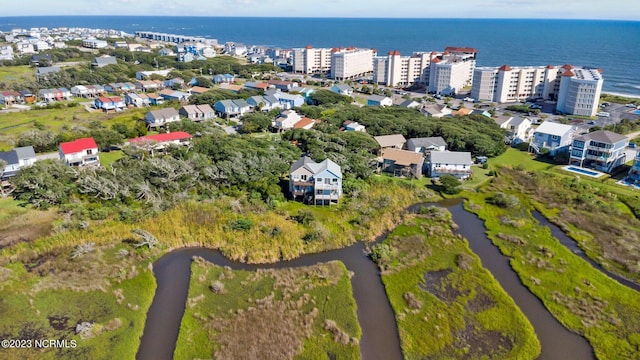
[[303, 177], [327, 181], [334, 180], [89, 152], [319, 180]]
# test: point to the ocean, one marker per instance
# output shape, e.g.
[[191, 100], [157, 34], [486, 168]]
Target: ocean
[[610, 45]]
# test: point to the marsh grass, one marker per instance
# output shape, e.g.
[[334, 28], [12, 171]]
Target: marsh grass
[[269, 314], [582, 298], [446, 304]]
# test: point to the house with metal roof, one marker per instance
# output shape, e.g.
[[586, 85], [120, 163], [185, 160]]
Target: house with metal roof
[[552, 136], [81, 152], [315, 183], [104, 60], [401, 162], [426, 144], [15, 160], [161, 117]]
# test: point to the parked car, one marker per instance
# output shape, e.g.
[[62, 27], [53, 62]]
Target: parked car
[[630, 105], [469, 99], [535, 106], [603, 114], [632, 145]]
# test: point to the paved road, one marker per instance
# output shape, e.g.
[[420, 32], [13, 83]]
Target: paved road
[[48, 156]]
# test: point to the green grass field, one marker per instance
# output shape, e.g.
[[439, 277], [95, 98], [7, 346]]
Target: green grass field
[[16, 74], [108, 158], [283, 314], [447, 305]]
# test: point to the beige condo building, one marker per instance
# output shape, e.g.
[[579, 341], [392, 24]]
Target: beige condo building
[[351, 63]]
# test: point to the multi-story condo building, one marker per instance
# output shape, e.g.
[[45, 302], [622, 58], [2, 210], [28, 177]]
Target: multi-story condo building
[[579, 92], [601, 150], [576, 90], [351, 63], [396, 70], [452, 71], [309, 60]]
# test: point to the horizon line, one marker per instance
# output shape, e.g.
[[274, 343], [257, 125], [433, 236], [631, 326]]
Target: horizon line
[[326, 17]]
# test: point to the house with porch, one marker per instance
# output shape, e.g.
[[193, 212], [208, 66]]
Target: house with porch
[[223, 78], [552, 136], [281, 84], [634, 172], [427, 144], [289, 101], [114, 103], [161, 117], [402, 163], [155, 99], [104, 60], [231, 108], [197, 112], [15, 160], [600, 150], [265, 102], [353, 126], [315, 183], [10, 97], [174, 95], [28, 96], [342, 89], [454, 163], [81, 152], [137, 100], [254, 85]]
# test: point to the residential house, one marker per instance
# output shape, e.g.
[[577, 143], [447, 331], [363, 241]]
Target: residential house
[[305, 92], [285, 120], [64, 94], [600, 150], [104, 60], [197, 90], [113, 103], [186, 57], [518, 129], [462, 112], [175, 83], [161, 117], [158, 142], [80, 91], [10, 97], [81, 152], [46, 95], [95, 90], [174, 95], [142, 75], [28, 96], [426, 144], [137, 100], [378, 100], [223, 78], [46, 70], [281, 84], [231, 108], [401, 162], [166, 52], [406, 103], [395, 141], [436, 110], [353, 126], [230, 87], [552, 136], [15, 160], [6, 52], [634, 172], [315, 183], [149, 85], [264, 103], [197, 112], [289, 101], [254, 85], [155, 99], [342, 89], [305, 123], [452, 163]]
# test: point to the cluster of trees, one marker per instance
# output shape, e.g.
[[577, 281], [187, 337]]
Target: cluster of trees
[[625, 126], [214, 164], [477, 134]]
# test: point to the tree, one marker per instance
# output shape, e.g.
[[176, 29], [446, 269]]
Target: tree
[[204, 82], [322, 97], [255, 122], [450, 184]]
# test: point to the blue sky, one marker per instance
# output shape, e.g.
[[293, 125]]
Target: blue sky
[[563, 9]]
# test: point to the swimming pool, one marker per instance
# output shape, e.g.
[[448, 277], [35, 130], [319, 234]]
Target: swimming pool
[[583, 171], [637, 112]]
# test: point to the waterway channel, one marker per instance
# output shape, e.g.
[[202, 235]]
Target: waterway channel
[[380, 339]]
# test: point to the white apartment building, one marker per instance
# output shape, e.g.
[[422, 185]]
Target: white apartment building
[[351, 63], [580, 90], [452, 71], [309, 60], [396, 70], [577, 90]]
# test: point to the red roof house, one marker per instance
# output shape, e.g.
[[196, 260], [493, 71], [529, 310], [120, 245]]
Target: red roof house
[[79, 152]]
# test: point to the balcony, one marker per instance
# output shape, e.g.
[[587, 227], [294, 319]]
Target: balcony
[[451, 171]]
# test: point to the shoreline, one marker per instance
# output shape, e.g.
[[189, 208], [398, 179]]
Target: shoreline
[[630, 96]]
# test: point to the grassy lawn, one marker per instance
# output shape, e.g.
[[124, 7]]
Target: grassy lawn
[[516, 158], [447, 305], [579, 296], [57, 120], [16, 74], [282, 314], [108, 158], [48, 298]]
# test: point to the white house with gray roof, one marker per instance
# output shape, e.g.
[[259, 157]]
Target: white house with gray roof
[[552, 136], [518, 129], [161, 117], [232, 108], [315, 183], [601, 150], [15, 160], [426, 144], [452, 163]]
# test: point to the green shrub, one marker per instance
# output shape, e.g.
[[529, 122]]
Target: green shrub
[[241, 224]]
